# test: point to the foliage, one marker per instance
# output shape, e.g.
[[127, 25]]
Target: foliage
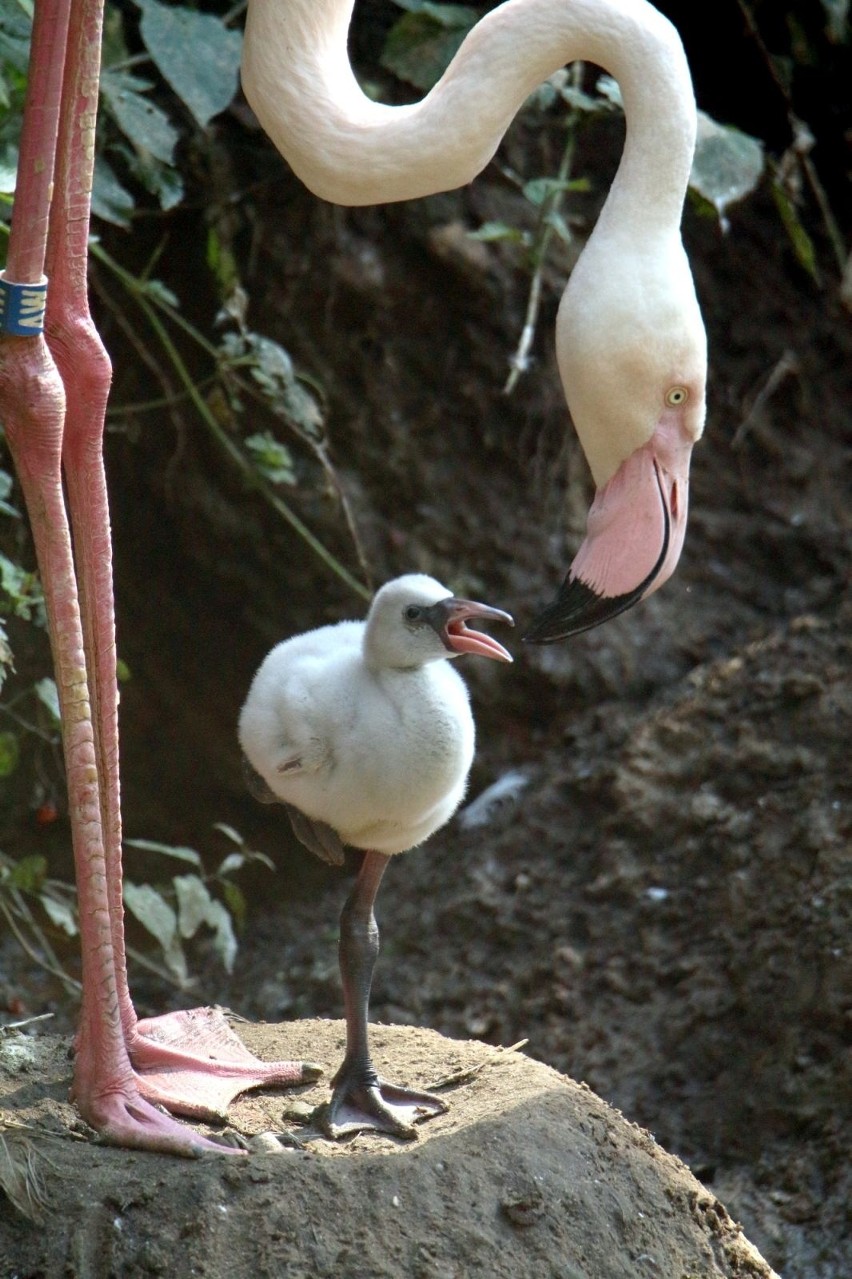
[[181, 909], [145, 136], [35, 905], [424, 42], [140, 125], [14, 54], [728, 164], [175, 910], [728, 167], [207, 81]]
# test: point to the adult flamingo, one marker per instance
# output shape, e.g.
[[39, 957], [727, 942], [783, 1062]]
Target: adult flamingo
[[53, 397], [629, 338]]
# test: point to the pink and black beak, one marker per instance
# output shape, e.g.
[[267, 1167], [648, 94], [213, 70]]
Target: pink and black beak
[[633, 542], [449, 619]]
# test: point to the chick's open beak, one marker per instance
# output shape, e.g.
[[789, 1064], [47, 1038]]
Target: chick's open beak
[[449, 617]]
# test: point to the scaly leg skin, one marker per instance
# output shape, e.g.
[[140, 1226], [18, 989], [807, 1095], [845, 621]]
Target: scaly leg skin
[[360, 1099]]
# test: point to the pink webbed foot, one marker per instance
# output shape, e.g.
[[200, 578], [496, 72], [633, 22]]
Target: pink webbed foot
[[194, 1064], [108, 1096], [125, 1118]]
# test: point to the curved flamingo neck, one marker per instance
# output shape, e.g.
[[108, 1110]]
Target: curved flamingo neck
[[350, 150]]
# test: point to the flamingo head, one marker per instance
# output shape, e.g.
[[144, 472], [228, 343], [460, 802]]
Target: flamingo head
[[632, 356]]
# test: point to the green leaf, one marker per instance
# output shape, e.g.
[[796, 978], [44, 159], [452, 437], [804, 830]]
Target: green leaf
[[110, 201], [490, 231], [9, 754], [156, 915], [194, 52], [727, 165], [160, 292], [168, 850], [837, 15], [152, 910], [162, 179], [48, 694], [15, 37], [8, 168], [22, 590], [234, 861], [272, 458], [60, 913], [803, 245], [607, 98], [230, 833], [140, 120], [193, 901], [223, 263], [537, 190], [29, 873], [225, 940], [421, 46], [197, 907], [610, 92], [236, 903], [272, 369], [560, 226], [6, 486]]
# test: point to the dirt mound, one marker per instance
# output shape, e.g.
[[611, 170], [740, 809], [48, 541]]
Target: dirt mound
[[528, 1173]]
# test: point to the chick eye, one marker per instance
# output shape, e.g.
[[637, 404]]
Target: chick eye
[[676, 395], [413, 613]]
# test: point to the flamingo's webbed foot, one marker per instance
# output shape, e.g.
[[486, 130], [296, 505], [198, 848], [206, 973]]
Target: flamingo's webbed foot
[[125, 1118], [194, 1064], [362, 1102]]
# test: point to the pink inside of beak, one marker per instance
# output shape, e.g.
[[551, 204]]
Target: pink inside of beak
[[463, 640]]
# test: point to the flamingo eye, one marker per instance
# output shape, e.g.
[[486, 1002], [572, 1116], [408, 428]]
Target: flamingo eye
[[676, 395], [413, 613]]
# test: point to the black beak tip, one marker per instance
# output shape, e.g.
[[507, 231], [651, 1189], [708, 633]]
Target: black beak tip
[[577, 608]]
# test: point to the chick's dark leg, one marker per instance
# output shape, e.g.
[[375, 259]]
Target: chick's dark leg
[[361, 1100]]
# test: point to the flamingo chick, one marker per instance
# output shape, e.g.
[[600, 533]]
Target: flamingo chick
[[364, 732]]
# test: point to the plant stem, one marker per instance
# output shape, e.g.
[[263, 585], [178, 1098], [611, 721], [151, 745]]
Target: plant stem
[[550, 207], [803, 141], [150, 304], [70, 983]]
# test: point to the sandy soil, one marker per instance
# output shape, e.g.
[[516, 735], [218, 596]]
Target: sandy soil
[[526, 1174]]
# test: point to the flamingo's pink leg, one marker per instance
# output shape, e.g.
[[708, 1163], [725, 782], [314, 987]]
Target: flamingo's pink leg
[[36, 380], [193, 1063]]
